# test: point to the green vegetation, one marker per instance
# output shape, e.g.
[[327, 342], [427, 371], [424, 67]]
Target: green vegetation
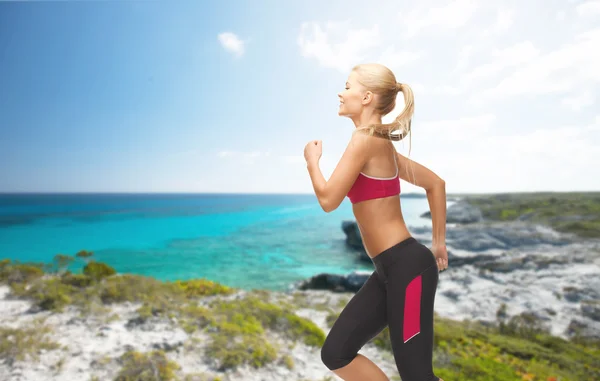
[[573, 212], [201, 377], [238, 328], [515, 353], [153, 366], [520, 349], [24, 343]]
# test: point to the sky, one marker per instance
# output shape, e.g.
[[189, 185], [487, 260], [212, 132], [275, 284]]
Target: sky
[[152, 96]]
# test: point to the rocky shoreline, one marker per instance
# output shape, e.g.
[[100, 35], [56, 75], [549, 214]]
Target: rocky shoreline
[[528, 267]]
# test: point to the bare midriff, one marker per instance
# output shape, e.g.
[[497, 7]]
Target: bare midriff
[[381, 223]]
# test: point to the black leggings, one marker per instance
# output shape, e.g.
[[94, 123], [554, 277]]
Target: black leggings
[[399, 294]]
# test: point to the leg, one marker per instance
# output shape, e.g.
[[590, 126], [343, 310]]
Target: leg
[[410, 316], [363, 318]]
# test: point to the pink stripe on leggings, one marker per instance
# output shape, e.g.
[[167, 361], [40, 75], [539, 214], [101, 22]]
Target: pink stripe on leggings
[[412, 309]]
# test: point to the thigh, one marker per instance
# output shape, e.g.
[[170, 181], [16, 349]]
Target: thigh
[[410, 319], [363, 318]]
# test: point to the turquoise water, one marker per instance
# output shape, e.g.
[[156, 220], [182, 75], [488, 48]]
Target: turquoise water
[[247, 241]]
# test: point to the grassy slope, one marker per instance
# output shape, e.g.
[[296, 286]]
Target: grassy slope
[[570, 212], [514, 350]]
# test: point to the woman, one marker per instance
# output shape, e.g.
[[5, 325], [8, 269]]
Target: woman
[[400, 293]]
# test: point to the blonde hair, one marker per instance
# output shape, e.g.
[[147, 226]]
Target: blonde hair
[[381, 81]]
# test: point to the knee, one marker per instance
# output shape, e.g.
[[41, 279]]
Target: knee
[[334, 357]]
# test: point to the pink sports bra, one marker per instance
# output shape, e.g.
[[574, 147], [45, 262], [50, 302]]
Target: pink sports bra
[[368, 187]]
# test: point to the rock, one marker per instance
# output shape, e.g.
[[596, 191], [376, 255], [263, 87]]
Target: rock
[[574, 218], [476, 261], [482, 236], [354, 239], [591, 309], [451, 294], [460, 213], [543, 262], [135, 322], [128, 347], [75, 320], [582, 329], [504, 267], [475, 240], [363, 256], [355, 280], [573, 294], [478, 237], [338, 283], [167, 347]]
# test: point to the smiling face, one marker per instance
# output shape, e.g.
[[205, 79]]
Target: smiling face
[[352, 97]]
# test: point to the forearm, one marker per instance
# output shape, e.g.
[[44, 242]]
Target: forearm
[[436, 196], [318, 180]]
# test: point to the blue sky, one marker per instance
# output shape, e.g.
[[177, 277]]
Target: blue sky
[[199, 97]]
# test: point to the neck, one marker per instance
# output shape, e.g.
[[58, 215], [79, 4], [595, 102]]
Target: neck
[[366, 119]]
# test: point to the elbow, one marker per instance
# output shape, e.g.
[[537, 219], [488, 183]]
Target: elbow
[[324, 206], [328, 207], [439, 184]]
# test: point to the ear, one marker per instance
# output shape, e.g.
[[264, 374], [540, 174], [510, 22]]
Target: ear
[[367, 97]]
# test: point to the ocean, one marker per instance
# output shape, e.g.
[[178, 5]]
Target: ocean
[[248, 241]]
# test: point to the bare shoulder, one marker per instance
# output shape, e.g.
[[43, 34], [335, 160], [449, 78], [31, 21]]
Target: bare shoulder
[[417, 174], [366, 143]]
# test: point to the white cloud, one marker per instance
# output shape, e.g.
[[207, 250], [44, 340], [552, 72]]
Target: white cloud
[[505, 18], [418, 88], [464, 56], [579, 101], [393, 58], [446, 90], [563, 69], [589, 8], [466, 128], [558, 159], [232, 43], [450, 16], [515, 55], [337, 46]]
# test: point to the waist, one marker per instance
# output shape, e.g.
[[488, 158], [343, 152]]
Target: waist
[[403, 261], [391, 254]]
